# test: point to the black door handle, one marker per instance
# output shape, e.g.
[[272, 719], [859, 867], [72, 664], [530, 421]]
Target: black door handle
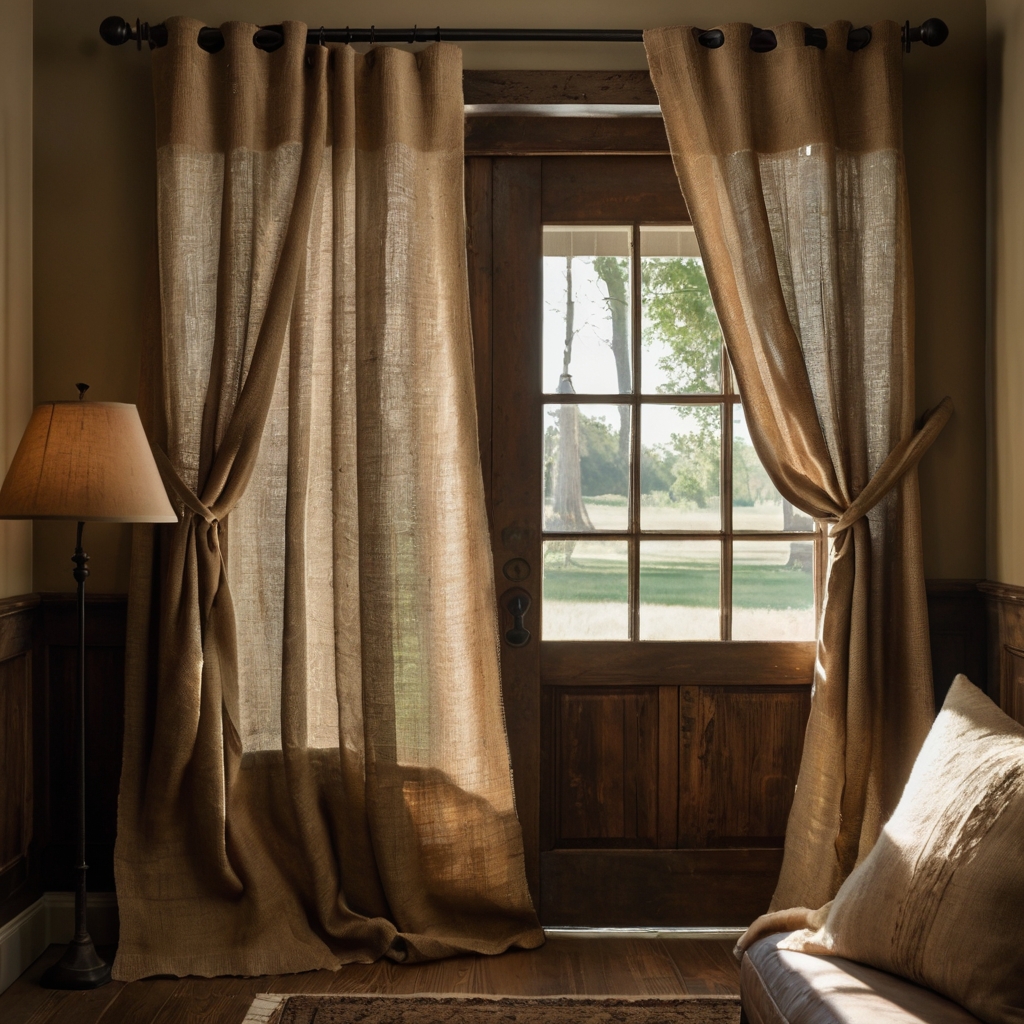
[[518, 605]]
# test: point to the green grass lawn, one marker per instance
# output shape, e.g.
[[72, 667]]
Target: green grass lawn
[[694, 584]]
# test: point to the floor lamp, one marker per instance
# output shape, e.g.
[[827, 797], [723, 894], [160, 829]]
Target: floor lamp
[[87, 462]]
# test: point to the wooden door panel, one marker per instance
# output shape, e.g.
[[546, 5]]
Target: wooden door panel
[[657, 888], [606, 773], [710, 663], [739, 754], [737, 750]]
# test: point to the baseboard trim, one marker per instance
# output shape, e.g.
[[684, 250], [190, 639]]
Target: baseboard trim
[[22, 941], [729, 934], [51, 919]]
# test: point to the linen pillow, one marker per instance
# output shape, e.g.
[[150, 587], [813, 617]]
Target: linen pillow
[[940, 897]]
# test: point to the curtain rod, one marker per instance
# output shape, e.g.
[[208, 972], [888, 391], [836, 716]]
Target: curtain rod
[[116, 31]]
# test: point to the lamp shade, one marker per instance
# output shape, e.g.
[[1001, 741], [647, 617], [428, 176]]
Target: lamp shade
[[86, 461]]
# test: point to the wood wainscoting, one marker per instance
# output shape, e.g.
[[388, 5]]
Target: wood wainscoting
[[105, 620], [19, 765], [1005, 607], [956, 620], [38, 713]]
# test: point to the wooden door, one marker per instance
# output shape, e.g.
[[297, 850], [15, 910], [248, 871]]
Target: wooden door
[[636, 541]]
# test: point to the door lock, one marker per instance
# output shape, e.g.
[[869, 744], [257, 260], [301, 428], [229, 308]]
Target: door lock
[[516, 569], [517, 604]]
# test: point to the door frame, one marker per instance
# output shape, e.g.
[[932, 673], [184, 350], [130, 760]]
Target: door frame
[[505, 202]]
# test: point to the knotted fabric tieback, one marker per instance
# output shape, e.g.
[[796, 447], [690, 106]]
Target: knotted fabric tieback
[[174, 483], [903, 457]]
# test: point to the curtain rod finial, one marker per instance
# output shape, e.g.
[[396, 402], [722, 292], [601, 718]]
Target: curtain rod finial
[[934, 32], [115, 30]]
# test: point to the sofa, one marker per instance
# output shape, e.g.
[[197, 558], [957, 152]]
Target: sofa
[[779, 986]]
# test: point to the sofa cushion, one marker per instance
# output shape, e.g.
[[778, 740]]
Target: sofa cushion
[[940, 897], [779, 986]]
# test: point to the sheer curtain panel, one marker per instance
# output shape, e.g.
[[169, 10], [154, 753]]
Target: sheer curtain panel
[[791, 164], [316, 769]]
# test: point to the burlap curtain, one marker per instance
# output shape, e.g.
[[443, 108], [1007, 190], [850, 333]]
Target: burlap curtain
[[791, 164], [316, 769]]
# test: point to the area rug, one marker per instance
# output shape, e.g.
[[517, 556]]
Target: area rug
[[453, 1009]]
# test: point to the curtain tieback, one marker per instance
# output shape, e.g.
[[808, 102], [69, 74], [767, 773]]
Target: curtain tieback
[[181, 489], [904, 456]]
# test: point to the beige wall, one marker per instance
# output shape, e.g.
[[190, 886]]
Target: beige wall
[[15, 274], [94, 206], [1006, 387]]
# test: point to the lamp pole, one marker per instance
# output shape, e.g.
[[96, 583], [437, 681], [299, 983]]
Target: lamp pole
[[80, 967], [81, 573]]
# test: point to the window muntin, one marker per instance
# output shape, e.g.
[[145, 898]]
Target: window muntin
[[660, 523]]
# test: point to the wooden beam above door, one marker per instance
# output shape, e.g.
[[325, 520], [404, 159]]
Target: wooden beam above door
[[576, 133], [633, 87], [505, 135]]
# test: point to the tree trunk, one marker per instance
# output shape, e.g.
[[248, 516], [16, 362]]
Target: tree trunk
[[799, 555], [568, 510], [616, 281]]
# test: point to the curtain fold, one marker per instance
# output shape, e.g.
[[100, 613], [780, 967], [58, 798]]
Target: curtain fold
[[791, 164], [315, 763]]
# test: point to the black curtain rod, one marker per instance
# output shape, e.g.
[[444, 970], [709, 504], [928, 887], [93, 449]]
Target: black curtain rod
[[116, 31]]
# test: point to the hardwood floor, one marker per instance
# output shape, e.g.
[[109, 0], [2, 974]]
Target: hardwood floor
[[566, 965]]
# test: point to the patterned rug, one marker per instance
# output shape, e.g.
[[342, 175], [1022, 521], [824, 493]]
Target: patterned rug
[[451, 1009]]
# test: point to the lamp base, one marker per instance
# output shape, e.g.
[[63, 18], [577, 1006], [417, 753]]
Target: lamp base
[[80, 967]]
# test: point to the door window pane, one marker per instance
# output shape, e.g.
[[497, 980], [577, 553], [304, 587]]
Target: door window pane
[[587, 310], [586, 468], [756, 504], [679, 590], [585, 590], [773, 590], [680, 467], [681, 350]]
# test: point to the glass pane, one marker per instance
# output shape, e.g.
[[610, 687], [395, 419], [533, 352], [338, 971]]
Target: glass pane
[[682, 340], [773, 590], [586, 468], [679, 589], [756, 504], [586, 310], [680, 463], [586, 590]]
